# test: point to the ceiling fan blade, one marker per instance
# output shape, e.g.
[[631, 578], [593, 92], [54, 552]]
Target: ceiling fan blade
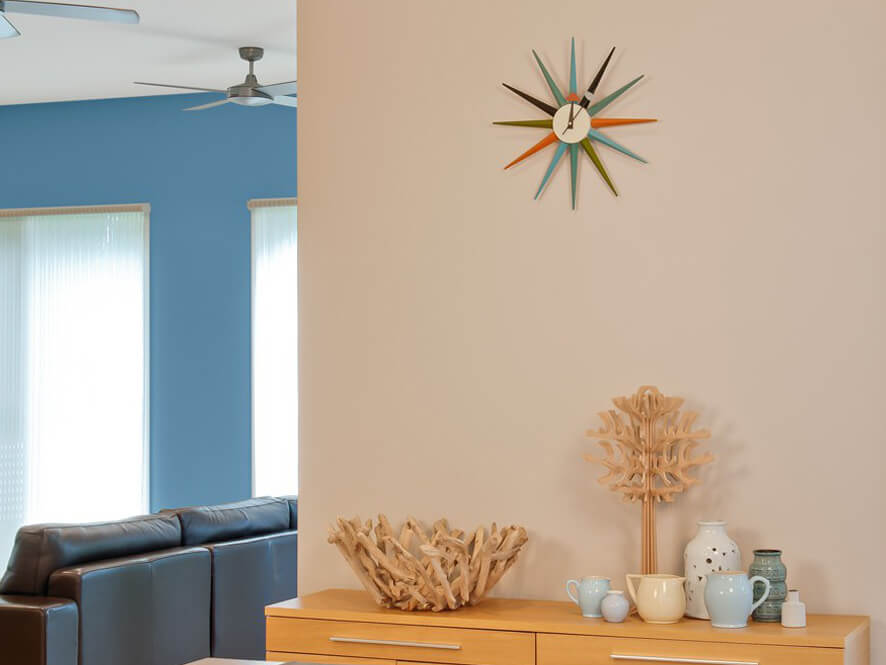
[[6, 28], [182, 87], [207, 106], [275, 89], [283, 100], [88, 12]]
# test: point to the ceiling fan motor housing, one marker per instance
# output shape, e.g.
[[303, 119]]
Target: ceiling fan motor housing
[[246, 93]]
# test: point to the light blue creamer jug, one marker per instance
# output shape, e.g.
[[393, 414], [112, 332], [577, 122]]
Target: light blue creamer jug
[[729, 597], [590, 593]]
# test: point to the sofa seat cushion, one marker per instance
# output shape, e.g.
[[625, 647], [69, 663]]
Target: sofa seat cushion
[[42, 548], [230, 521], [248, 575], [148, 609]]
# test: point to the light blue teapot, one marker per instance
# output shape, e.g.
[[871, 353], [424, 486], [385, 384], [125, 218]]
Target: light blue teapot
[[591, 592], [729, 597]]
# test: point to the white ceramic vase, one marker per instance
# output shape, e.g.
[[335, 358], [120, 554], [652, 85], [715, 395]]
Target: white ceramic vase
[[711, 551]]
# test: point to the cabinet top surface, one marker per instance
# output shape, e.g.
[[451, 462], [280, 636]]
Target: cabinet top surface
[[547, 616]]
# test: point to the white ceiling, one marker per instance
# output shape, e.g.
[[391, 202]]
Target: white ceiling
[[186, 42]]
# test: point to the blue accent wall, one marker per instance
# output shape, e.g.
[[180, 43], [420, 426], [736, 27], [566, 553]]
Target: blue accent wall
[[197, 170]]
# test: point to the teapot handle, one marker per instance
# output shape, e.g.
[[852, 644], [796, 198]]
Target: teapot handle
[[569, 591], [767, 584], [630, 585]]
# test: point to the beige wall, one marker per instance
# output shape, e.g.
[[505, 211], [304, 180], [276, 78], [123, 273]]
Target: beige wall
[[458, 337]]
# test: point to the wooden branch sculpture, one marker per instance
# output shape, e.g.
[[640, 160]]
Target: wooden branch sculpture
[[648, 455], [415, 572]]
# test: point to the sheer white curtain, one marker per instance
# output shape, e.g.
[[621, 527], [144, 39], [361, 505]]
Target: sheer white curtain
[[73, 399], [274, 348]]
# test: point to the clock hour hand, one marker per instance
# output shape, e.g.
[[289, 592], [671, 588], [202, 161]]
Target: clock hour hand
[[592, 88], [571, 115]]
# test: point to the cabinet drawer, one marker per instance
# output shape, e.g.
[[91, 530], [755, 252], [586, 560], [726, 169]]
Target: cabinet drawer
[[586, 650], [412, 643]]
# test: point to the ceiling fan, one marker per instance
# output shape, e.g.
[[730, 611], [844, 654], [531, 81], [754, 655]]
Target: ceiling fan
[[248, 93], [89, 12]]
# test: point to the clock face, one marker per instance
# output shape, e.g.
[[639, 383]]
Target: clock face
[[571, 123], [575, 122]]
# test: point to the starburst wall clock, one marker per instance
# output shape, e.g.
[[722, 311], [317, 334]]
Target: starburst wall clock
[[574, 122]]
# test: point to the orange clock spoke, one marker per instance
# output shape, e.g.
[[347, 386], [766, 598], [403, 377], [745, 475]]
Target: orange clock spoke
[[613, 122], [546, 141]]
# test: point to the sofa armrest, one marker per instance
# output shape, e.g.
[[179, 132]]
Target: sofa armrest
[[37, 630]]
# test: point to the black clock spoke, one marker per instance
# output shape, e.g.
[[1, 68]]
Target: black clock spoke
[[597, 78], [547, 108]]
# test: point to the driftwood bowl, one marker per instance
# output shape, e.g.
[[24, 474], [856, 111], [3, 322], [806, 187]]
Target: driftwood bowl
[[426, 570]]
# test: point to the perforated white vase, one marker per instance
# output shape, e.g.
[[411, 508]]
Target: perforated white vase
[[711, 551]]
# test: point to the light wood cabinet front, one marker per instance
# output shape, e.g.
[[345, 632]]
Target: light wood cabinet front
[[398, 642], [287, 657], [587, 650]]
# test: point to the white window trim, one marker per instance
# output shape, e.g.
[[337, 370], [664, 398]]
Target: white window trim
[[251, 205]]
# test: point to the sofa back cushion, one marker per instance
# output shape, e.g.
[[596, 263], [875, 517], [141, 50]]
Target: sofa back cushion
[[231, 521], [41, 549], [292, 500]]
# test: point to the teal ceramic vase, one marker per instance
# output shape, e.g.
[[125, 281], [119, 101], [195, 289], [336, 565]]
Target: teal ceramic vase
[[768, 564]]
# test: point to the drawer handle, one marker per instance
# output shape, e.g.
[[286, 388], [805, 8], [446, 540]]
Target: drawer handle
[[696, 661], [397, 643]]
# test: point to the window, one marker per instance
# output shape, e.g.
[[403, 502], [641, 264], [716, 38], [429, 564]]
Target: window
[[274, 347], [73, 358]]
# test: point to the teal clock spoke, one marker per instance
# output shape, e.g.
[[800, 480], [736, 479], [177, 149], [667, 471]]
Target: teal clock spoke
[[605, 140], [561, 148], [573, 168], [608, 99], [544, 106], [561, 100], [592, 88], [573, 83]]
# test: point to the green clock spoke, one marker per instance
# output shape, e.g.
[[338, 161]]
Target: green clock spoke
[[561, 148], [592, 155], [561, 100], [544, 106], [573, 83], [608, 99], [592, 88], [605, 140], [548, 124], [573, 168]]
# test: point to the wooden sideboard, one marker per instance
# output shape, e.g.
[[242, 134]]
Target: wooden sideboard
[[344, 627]]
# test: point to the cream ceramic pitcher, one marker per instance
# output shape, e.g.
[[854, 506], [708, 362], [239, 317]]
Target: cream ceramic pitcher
[[659, 598]]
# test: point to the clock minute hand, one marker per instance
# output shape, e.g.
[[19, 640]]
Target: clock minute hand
[[592, 88]]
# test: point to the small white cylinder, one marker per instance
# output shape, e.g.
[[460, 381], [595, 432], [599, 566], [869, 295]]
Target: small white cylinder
[[793, 612]]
